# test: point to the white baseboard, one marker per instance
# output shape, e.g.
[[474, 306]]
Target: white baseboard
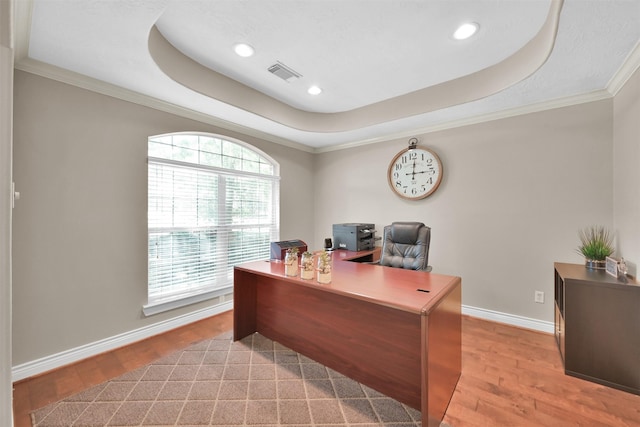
[[509, 319], [66, 357], [39, 366]]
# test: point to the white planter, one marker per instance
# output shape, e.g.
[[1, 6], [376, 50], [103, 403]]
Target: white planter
[[324, 277], [306, 266], [291, 264]]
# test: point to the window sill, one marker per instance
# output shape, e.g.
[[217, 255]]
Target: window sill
[[161, 307]]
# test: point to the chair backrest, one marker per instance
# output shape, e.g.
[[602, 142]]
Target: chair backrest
[[406, 245]]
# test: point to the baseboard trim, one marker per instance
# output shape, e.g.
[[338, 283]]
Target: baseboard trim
[[42, 365], [509, 319]]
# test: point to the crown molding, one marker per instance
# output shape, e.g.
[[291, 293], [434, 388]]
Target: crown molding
[[7, 21], [630, 65], [22, 28], [79, 80], [481, 118], [94, 85], [624, 73], [24, 63]]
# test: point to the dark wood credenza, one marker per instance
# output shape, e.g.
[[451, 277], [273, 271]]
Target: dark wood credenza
[[597, 326]]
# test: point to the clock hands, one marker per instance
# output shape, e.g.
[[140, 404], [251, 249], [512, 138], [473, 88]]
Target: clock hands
[[414, 173]]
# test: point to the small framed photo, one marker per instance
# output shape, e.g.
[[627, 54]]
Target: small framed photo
[[612, 266]]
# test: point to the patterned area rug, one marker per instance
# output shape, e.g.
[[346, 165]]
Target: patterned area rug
[[254, 382]]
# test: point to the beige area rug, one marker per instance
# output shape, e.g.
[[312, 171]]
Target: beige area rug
[[254, 382]]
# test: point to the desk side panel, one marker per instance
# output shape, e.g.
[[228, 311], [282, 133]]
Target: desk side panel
[[244, 304], [375, 345], [442, 355]]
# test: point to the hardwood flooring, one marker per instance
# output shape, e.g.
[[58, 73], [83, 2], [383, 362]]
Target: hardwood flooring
[[510, 377], [515, 377], [36, 392]]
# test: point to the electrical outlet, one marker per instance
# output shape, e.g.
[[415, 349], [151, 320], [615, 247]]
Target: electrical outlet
[[539, 297]]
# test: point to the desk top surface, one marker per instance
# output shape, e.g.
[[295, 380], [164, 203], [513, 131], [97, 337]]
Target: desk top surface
[[407, 290]]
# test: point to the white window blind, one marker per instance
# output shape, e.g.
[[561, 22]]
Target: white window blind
[[213, 204]]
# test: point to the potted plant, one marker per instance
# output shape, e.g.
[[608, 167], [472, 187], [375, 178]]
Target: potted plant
[[596, 244]]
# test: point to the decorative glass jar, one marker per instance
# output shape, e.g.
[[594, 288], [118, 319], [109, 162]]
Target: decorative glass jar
[[324, 267], [306, 266], [291, 263]]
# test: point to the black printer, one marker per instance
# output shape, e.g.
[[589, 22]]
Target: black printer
[[354, 236]]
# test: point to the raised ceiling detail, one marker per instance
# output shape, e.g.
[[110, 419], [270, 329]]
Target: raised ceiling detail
[[479, 84], [387, 68], [361, 52]]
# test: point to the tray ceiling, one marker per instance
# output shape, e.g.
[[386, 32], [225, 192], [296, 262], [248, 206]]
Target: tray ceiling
[[387, 68]]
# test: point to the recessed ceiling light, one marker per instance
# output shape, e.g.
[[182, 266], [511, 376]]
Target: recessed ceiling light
[[314, 90], [465, 31], [243, 49]]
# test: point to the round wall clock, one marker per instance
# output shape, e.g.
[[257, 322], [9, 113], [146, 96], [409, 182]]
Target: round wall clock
[[415, 173]]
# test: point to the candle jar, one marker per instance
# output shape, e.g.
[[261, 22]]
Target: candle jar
[[306, 266], [324, 267], [291, 263]]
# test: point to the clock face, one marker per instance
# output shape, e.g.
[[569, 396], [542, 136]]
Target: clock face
[[415, 173]]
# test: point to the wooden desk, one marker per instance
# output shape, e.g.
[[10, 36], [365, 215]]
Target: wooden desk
[[396, 331]]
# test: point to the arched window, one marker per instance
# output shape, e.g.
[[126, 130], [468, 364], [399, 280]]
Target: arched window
[[213, 203]]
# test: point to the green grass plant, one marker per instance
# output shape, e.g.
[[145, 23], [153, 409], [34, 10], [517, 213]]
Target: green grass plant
[[596, 243]]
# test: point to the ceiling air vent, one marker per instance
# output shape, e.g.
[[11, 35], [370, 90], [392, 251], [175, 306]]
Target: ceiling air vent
[[284, 72]]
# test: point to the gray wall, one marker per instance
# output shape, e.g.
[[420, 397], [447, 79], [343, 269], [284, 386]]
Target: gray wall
[[514, 194], [6, 107], [626, 175], [80, 227]]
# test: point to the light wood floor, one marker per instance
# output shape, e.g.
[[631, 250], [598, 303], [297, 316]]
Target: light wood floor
[[510, 377]]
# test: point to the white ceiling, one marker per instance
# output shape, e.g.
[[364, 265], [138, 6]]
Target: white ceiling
[[388, 68], [360, 53]]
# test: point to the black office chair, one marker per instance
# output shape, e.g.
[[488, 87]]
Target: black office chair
[[406, 245]]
